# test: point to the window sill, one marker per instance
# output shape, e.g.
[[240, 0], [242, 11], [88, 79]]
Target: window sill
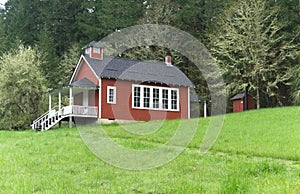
[[156, 109]]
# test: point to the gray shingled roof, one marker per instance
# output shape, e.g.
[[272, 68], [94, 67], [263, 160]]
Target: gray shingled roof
[[238, 96], [94, 44], [85, 82], [134, 70], [198, 98]]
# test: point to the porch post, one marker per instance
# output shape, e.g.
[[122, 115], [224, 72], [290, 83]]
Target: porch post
[[59, 100], [204, 109], [50, 103], [70, 103]]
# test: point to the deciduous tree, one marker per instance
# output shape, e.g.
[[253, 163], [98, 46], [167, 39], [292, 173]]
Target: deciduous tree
[[296, 85], [251, 49], [22, 88]]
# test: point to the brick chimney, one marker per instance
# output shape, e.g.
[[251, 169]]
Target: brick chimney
[[94, 50], [168, 61]]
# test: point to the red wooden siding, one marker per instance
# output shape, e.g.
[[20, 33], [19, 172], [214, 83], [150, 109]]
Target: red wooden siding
[[94, 98], [238, 104], [85, 71], [123, 107], [96, 55], [78, 99]]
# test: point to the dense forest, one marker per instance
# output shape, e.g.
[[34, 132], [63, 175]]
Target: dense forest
[[255, 43]]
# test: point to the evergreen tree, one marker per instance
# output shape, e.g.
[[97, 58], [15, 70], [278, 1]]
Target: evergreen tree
[[3, 42], [60, 20], [296, 85], [198, 16], [67, 65], [50, 60], [23, 20], [102, 17]]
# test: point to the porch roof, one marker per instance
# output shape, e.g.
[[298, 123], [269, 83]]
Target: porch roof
[[79, 85], [238, 96], [85, 82]]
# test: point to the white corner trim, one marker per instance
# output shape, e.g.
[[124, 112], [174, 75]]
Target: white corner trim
[[75, 71], [100, 98], [189, 104]]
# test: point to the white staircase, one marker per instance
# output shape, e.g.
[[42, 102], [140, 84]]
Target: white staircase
[[52, 117]]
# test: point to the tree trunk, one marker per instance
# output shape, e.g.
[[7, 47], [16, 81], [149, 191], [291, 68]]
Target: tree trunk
[[257, 93], [257, 98]]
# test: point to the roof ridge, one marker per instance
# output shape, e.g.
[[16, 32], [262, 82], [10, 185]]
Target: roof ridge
[[127, 69], [126, 59]]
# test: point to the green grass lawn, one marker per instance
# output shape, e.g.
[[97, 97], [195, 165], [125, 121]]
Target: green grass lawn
[[256, 152]]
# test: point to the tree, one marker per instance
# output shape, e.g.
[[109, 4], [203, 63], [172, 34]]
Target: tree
[[197, 16], [22, 88], [162, 12], [46, 46], [251, 49], [60, 18], [2, 33], [158, 12], [23, 20], [296, 85], [67, 65], [102, 17]]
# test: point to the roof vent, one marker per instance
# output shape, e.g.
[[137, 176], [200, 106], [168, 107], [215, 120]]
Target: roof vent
[[168, 61]]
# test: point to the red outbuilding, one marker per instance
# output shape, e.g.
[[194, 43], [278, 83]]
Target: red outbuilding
[[239, 102]]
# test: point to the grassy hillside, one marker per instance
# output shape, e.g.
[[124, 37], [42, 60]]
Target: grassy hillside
[[256, 152]]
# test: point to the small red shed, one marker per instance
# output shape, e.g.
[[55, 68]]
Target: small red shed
[[239, 102]]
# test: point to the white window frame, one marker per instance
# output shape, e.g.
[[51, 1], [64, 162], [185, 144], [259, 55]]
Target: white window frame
[[171, 99], [139, 97], [96, 50], [148, 97], [114, 101], [87, 51], [161, 108]]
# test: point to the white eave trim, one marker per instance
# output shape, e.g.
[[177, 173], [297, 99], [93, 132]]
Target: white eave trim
[[77, 67]]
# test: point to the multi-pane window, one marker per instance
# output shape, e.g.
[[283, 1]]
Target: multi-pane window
[[165, 99], [96, 50], [137, 97], [174, 99], [155, 98], [152, 97], [111, 94], [146, 97]]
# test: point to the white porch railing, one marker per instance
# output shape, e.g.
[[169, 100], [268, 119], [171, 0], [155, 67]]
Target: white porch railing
[[84, 111], [52, 117]]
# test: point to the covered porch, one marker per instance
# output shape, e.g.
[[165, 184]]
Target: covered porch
[[78, 99]]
